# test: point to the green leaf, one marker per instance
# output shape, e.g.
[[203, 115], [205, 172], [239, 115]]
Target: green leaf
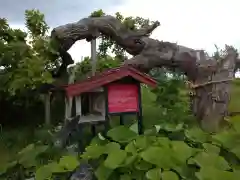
[[186, 172], [138, 175], [210, 148], [111, 147], [129, 160], [154, 174], [93, 152], [236, 124], [158, 127], [98, 140], [32, 149], [211, 173], [56, 167], [162, 157], [236, 151], [125, 177], [28, 156], [172, 127], [115, 159], [28, 162], [121, 134], [134, 127], [204, 159], [196, 134], [5, 167], [181, 151], [130, 148], [69, 162], [227, 139], [143, 165], [43, 173], [103, 173], [150, 132], [141, 142], [169, 175], [163, 142], [27, 149]]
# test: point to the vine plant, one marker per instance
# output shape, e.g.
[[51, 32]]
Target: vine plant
[[165, 152]]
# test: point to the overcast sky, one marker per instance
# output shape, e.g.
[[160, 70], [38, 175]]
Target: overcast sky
[[197, 24]]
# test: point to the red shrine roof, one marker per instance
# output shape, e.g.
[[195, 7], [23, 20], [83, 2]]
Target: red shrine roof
[[107, 77]]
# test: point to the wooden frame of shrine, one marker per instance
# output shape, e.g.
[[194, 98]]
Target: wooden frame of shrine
[[114, 92]]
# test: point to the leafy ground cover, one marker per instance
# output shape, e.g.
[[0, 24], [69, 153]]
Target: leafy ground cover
[[11, 142]]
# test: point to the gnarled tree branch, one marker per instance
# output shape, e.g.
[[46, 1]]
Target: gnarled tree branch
[[149, 53]]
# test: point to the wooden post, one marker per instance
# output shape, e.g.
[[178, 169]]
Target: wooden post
[[94, 66], [94, 56], [121, 119], [106, 123], [47, 109], [69, 100], [68, 107], [78, 105], [139, 114]]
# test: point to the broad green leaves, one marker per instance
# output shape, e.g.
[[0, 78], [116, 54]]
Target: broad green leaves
[[204, 159], [211, 173], [158, 156], [154, 157], [181, 152], [102, 172], [28, 156], [197, 135], [169, 175], [115, 159], [93, 151], [154, 174], [151, 157], [69, 162], [210, 148], [121, 134], [65, 164], [45, 172]]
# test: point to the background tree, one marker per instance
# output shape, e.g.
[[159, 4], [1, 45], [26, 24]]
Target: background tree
[[26, 61]]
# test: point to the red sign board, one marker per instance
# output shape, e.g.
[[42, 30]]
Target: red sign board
[[122, 98]]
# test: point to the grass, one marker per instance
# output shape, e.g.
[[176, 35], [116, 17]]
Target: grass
[[12, 141], [235, 100]]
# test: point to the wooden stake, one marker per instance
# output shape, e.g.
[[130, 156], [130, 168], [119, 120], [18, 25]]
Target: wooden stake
[[94, 62], [47, 109], [94, 56]]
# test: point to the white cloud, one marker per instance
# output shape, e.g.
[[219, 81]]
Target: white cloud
[[198, 24]]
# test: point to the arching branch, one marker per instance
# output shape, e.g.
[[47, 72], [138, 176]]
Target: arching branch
[[211, 100]]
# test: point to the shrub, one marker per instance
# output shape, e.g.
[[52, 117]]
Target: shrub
[[171, 97], [166, 152]]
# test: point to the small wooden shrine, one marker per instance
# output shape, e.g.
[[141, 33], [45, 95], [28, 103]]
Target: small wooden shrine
[[113, 92]]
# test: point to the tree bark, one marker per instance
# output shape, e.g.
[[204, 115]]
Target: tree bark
[[47, 109], [212, 91], [211, 79]]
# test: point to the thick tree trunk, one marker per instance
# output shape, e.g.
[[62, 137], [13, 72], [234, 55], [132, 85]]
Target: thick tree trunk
[[211, 79], [211, 92]]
